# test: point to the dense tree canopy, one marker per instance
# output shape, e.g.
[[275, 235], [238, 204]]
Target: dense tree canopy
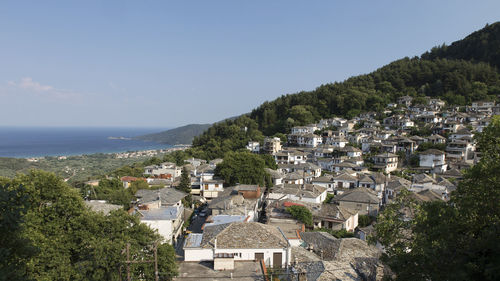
[[244, 168], [69, 241]]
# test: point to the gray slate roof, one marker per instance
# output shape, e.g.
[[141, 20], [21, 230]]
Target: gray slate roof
[[359, 194], [243, 235], [102, 207], [168, 195], [169, 213]]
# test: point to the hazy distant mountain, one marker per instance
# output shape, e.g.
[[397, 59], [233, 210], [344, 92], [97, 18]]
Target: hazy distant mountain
[[179, 135]]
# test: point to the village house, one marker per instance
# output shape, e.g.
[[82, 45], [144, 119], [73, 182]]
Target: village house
[[386, 162], [361, 200], [325, 181], [436, 139], [226, 244], [459, 150], [310, 129], [196, 162], [167, 221], [433, 158], [336, 141], [324, 257], [299, 192], [307, 140], [272, 145], [210, 188], [253, 146], [334, 217], [405, 100], [290, 157], [243, 200], [276, 176], [481, 106], [164, 170], [153, 199]]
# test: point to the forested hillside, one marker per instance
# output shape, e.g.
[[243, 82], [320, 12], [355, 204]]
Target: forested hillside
[[479, 46], [442, 73], [180, 135]]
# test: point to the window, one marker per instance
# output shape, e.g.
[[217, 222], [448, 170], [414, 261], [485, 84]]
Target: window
[[216, 185]]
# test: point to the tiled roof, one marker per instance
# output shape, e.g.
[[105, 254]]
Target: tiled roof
[[167, 195], [169, 213], [245, 235], [360, 194], [102, 207]]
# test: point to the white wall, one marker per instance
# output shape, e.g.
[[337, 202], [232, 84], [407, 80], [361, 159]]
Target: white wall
[[164, 228], [249, 254], [198, 254]]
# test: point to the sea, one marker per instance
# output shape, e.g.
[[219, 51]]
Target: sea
[[28, 142]]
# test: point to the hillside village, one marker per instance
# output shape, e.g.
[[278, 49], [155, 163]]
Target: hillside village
[[343, 172]]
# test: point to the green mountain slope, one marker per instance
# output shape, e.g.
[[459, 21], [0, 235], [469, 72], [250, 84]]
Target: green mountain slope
[[457, 81], [180, 135], [480, 46]]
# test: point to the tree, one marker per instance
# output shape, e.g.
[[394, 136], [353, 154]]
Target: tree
[[301, 214], [72, 242], [465, 230], [15, 248], [328, 198], [244, 168], [185, 184], [365, 220]]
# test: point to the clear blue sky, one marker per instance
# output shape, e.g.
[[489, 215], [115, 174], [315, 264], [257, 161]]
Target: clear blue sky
[[165, 63]]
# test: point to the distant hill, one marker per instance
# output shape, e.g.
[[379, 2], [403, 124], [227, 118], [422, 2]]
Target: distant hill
[[179, 135]]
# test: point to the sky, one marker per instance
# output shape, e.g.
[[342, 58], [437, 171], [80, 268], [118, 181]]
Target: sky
[[166, 64]]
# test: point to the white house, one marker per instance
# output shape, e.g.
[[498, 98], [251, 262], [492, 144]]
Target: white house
[[310, 129], [334, 217], [460, 150], [253, 146], [167, 221], [433, 158], [387, 162], [336, 141], [211, 188], [240, 241], [290, 157], [309, 140], [166, 169], [299, 192]]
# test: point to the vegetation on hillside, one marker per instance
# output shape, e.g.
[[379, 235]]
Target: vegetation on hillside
[[458, 82], [78, 168], [479, 46], [180, 135]]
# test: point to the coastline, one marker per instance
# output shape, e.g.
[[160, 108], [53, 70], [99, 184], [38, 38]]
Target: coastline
[[117, 155]]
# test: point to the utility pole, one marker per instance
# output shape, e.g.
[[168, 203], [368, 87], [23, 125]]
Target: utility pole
[[128, 262], [156, 261]]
